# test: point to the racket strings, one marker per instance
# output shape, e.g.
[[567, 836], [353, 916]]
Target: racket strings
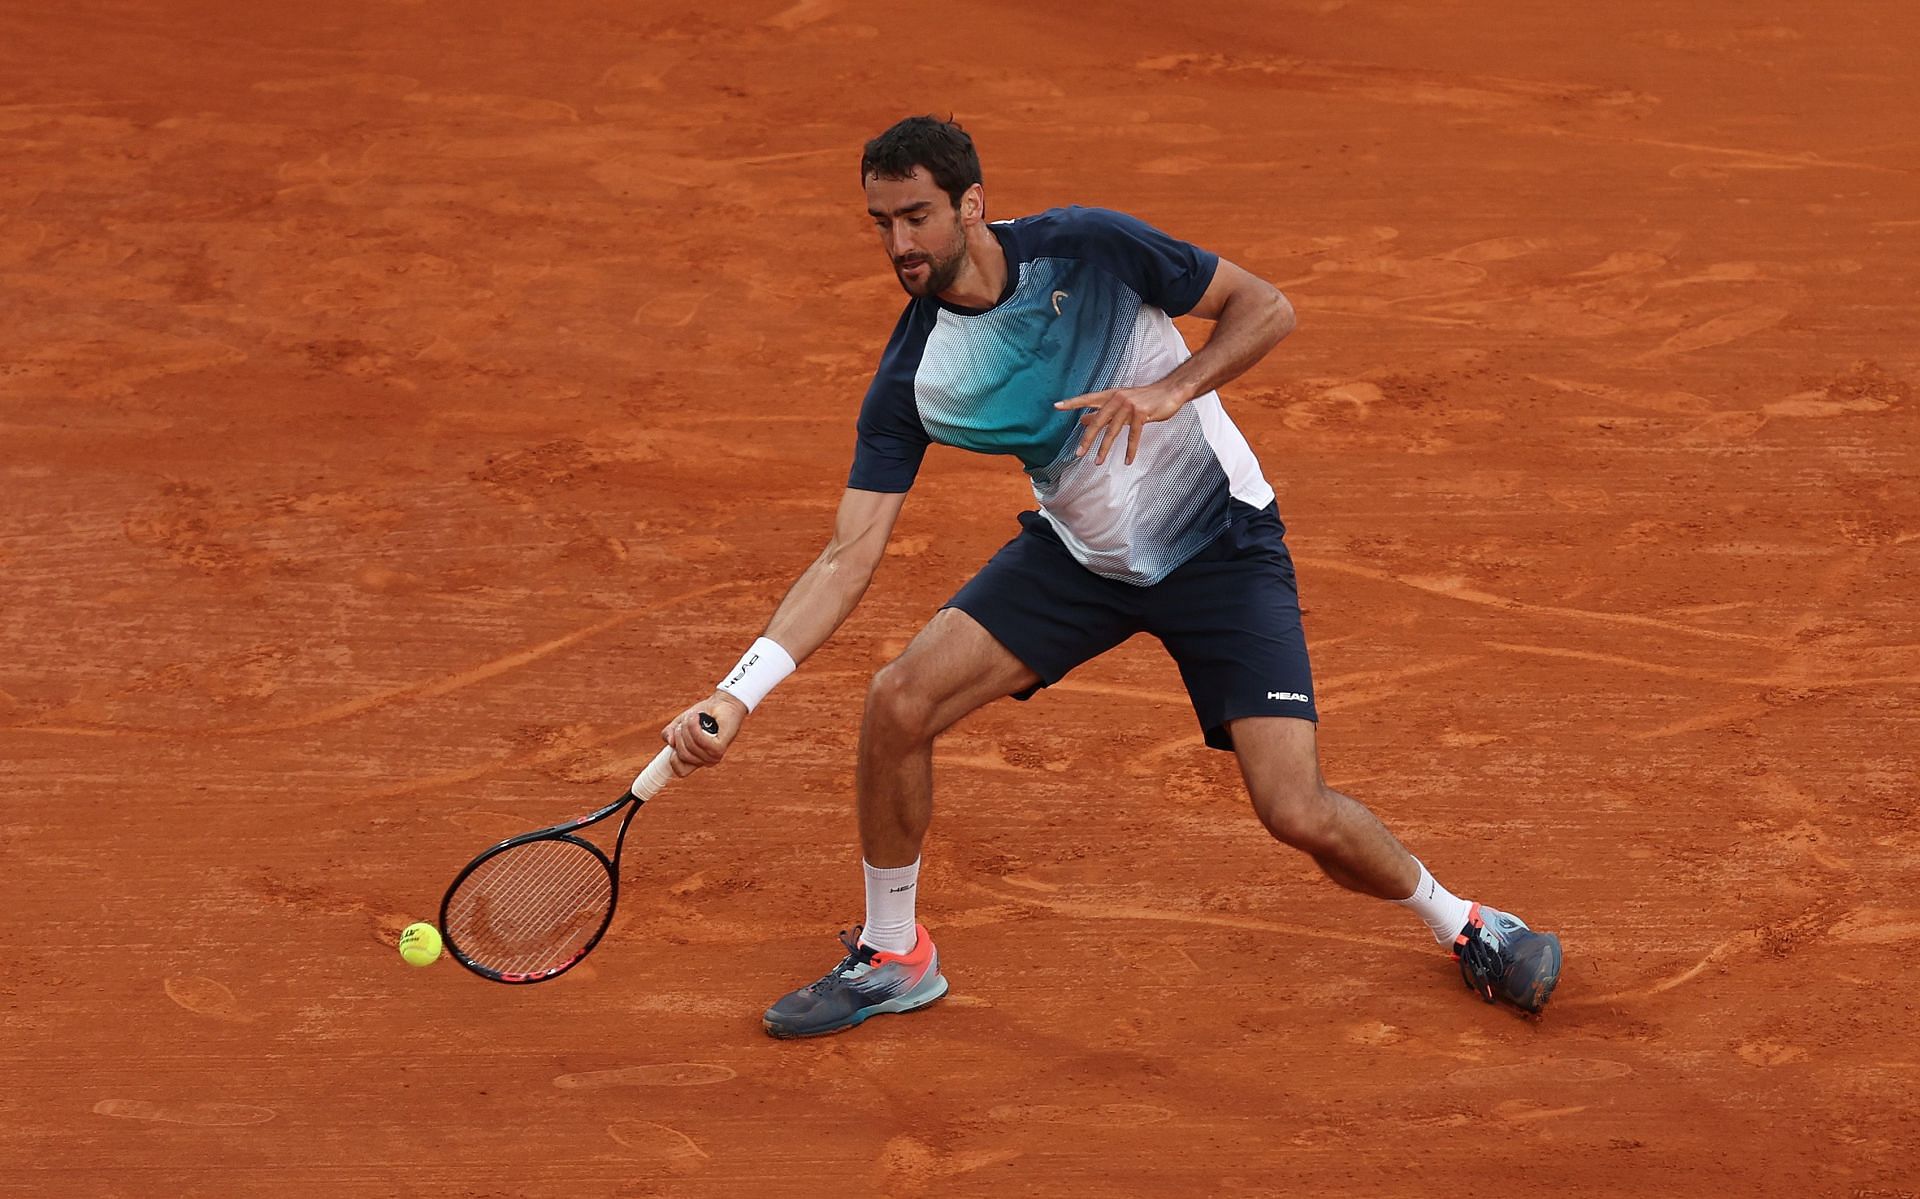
[[536, 908], [530, 891], [523, 901], [531, 908]]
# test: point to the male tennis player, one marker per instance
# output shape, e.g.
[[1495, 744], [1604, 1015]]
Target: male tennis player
[[1050, 338]]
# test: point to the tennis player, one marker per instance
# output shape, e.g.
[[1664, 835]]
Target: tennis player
[[1050, 338]]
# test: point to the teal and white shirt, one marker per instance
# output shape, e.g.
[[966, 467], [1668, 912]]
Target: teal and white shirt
[[1089, 305]]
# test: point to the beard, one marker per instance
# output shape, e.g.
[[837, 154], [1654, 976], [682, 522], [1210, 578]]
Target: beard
[[941, 272]]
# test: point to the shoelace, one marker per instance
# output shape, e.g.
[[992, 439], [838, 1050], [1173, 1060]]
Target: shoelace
[[1480, 962], [857, 955]]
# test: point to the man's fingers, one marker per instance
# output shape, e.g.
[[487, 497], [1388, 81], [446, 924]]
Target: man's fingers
[[1117, 420], [1101, 441], [690, 749], [1090, 400], [1100, 429], [693, 746], [699, 748], [1098, 423], [1089, 429]]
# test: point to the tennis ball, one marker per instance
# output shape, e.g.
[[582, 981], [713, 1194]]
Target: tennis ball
[[420, 944]]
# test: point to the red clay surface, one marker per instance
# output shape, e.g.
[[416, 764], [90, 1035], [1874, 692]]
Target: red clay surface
[[408, 406]]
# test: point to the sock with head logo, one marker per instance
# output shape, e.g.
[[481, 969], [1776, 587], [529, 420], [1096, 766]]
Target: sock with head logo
[[890, 893], [1444, 912]]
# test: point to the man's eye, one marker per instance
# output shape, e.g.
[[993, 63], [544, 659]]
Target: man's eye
[[916, 221]]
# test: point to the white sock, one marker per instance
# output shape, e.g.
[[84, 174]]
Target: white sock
[[1444, 912], [889, 926]]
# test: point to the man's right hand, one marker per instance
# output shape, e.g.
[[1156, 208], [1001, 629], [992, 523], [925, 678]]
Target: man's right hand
[[694, 747]]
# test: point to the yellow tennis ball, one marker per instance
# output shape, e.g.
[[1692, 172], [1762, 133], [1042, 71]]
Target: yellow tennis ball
[[420, 944]]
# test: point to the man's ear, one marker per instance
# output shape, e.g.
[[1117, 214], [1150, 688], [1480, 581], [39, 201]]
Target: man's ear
[[973, 204]]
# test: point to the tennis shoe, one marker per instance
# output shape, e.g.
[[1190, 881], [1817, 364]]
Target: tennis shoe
[[1504, 961], [866, 983]]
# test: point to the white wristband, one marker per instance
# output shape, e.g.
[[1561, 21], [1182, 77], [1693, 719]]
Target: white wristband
[[759, 671]]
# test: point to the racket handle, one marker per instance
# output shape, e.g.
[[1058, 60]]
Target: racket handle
[[659, 772]]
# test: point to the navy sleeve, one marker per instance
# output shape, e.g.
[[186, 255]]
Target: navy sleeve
[[892, 441], [1166, 272]]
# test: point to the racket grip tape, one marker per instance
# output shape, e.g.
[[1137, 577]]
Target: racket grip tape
[[659, 772]]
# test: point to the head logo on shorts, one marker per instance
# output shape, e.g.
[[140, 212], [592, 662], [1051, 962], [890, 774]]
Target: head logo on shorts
[[1295, 696]]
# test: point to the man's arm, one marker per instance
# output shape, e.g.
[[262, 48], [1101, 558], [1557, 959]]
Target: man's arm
[[817, 604], [1250, 315], [824, 595]]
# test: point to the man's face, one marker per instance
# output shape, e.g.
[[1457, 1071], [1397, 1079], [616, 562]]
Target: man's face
[[922, 232]]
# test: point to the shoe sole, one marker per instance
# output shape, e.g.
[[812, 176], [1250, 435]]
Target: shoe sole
[[911, 1001], [1545, 980]]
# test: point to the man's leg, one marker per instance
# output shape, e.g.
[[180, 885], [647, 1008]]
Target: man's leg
[[1031, 615], [1500, 957], [1280, 761], [951, 668]]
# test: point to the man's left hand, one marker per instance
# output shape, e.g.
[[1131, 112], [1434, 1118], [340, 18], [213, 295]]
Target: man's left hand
[[1128, 408]]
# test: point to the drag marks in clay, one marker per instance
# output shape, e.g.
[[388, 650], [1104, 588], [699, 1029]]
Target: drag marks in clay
[[664, 1074], [205, 997], [659, 1142], [199, 1115], [1556, 1069]]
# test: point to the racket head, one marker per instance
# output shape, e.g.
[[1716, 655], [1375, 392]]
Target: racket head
[[530, 908]]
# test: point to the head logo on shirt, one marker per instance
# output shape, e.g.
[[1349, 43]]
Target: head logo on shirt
[[1057, 297]]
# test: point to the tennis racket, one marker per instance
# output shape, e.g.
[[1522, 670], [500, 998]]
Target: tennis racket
[[530, 908]]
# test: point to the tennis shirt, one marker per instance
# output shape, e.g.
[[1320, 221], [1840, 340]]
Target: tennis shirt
[[1089, 304]]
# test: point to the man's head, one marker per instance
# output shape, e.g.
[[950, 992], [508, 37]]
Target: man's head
[[922, 179]]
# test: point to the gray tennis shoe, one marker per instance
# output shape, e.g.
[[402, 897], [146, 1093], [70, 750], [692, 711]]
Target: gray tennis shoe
[[1504, 961], [866, 983]]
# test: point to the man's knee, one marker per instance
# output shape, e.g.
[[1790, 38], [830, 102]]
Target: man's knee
[[898, 704], [1298, 811]]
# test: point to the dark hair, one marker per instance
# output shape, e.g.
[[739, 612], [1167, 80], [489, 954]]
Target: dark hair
[[942, 147]]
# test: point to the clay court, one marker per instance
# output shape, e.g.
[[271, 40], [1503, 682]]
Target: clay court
[[405, 408]]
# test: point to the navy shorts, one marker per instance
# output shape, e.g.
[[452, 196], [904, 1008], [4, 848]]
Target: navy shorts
[[1230, 616]]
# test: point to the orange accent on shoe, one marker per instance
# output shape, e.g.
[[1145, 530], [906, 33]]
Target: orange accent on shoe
[[917, 956], [1473, 921]]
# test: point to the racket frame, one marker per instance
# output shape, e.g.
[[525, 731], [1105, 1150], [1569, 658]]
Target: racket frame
[[559, 832], [644, 787]]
